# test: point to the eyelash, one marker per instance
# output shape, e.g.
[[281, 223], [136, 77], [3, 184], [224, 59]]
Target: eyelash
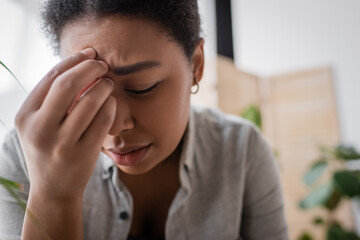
[[143, 92]]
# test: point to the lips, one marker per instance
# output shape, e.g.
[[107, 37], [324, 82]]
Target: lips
[[129, 156], [126, 150]]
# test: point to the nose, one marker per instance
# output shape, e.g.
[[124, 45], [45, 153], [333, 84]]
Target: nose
[[123, 120]]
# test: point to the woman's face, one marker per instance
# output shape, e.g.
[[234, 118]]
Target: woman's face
[[153, 79]]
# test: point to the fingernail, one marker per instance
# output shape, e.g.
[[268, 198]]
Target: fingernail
[[109, 80], [90, 52], [105, 64]]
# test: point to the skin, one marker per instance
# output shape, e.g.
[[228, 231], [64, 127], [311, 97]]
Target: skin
[[158, 118], [54, 131]]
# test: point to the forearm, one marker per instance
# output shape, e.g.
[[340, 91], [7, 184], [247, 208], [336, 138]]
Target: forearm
[[50, 219]]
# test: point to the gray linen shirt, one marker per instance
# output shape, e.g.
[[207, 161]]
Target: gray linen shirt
[[230, 188]]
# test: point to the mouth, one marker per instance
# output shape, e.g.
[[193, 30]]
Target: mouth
[[127, 149], [129, 156]]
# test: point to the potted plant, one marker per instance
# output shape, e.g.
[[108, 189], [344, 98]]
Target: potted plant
[[252, 113], [327, 192]]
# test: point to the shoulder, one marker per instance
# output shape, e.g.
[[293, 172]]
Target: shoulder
[[217, 127], [211, 116], [234, 140], [12, 161], [13, 168], [11, 142]]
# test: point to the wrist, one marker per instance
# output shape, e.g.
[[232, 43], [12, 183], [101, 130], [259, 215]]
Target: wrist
[[54, 218], [42, 195]]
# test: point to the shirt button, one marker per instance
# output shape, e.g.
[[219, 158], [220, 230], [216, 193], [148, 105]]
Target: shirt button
[[124, 215], [186, 168]]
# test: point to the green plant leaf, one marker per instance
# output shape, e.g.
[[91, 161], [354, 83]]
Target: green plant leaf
[[11, 184], [252, 113], [347, 153], [19, 201], [17, 80], [32, 217], [305, 236], [318, 220], [352, 236], [318, 196], [334, 199], [336, 232], [315, 171], [348, 182]]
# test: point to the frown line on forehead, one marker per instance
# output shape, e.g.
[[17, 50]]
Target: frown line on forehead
[[137, 67]]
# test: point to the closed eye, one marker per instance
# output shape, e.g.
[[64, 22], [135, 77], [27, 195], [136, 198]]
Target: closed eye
[[145, 91]]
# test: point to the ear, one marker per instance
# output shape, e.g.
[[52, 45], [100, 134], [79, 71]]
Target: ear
[[197, 61]]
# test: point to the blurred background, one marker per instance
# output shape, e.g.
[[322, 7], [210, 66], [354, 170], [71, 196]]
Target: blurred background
[[292, 67]]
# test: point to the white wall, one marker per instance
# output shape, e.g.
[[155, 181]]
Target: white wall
[[24, 50], [278, 36], [207, 94]]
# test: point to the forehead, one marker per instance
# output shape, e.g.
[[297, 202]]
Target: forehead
[[120, 39]]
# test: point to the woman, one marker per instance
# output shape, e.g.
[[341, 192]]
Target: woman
[[113, 149]]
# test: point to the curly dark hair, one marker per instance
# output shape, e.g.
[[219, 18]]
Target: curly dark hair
[[180, 18]]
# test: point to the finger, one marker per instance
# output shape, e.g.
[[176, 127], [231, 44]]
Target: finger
[[67, 87], [36, 97], [85, 110], [100, 126], [80, 94]]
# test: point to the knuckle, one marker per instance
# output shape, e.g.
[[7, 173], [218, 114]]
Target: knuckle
[[36, 138], [66, 83], [103, 86], [33, 130], [60, 149], [38, 135], [37, 131], [91, 101], [109, 84], [53, 73], [22, 118], [19, 119]]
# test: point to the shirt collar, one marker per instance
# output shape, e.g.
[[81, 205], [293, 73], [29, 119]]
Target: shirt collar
[[187, 152], [108, 165]]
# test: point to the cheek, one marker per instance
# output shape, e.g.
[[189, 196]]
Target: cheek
[[166, 113]]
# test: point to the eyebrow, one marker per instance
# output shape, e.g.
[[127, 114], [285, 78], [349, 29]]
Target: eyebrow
[[137, 67]]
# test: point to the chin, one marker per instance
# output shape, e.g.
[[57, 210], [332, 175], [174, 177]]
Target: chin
[[132, 170], [135, 170]]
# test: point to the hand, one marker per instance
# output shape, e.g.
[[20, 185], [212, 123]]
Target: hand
[[62, 140]]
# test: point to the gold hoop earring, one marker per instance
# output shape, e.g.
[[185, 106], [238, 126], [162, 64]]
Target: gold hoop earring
[[197, 87]]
